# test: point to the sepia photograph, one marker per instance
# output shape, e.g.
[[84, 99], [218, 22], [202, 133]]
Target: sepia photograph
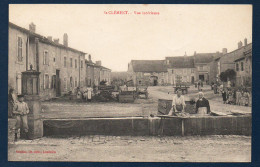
[[130, 82]]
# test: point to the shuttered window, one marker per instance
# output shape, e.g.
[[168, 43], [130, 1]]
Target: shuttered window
[[45, 57], [20, 49]]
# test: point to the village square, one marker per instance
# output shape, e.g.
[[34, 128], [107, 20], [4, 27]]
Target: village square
[[64, 106]]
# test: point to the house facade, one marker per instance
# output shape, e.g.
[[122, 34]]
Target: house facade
[[181, 69], [231, 60], [148, 72], [95, 73], [244, 69], [61, 67], [205, 66], [89, 72]]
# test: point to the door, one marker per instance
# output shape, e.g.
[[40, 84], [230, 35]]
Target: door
[[58, 91], [192, 79], [201, 77]]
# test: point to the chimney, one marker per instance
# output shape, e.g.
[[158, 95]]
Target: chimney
[[98, 63], [245, 41], [65, 39], [240, 44], [32, 27], [49, 38], [56, 40], [224, 51], [195, 53], [89, 57]]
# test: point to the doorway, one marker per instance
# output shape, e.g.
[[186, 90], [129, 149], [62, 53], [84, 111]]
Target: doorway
[[201, 77], [58, 91], [192, 79]]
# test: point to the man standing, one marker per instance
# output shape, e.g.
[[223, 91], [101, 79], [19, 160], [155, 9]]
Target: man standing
[[20, 112], [178, 103]]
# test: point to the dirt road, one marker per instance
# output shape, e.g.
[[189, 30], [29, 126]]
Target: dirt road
[[134, 149]]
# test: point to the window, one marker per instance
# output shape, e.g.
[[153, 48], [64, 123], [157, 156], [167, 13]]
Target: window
[[172, 71], [65, 83], [140, 82], [76, 65], [20, 49], [45, 58], [71, 62], [200, 68], [54, 57], [242, 66], [237, 67], [76, 82], [46, 81], [81, 64], [53, 82], [71, 82], [65, 63]]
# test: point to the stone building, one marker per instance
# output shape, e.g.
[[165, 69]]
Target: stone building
[[62, 68], [95, 73], [203, 63], [228, 60], [105, 73], [181, 69], [244, 68], [148, 72]]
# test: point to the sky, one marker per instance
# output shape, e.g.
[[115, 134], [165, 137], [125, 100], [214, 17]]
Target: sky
[[116, 39]]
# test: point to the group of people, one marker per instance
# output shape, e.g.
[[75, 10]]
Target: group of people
[[19, 110], [85, 93], [178, 104], [232, 95], [236, 97]]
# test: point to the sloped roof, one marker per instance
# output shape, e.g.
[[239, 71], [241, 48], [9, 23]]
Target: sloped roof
[[149, 66], [205, 57], [245, 54], [181, 62], [236, 54], [42, 38], [90, 63]]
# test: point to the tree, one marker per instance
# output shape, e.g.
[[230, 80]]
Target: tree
[[229, 74], [223, 77]]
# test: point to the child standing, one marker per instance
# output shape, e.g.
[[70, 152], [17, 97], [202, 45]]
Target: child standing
[[20, 112]]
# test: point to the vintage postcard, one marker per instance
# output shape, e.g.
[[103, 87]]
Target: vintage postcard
[[129, 83]]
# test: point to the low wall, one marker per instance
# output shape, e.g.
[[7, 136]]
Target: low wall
[[208, 125], [97, 126]]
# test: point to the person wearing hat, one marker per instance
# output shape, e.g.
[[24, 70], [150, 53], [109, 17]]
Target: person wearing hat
[[20, 111], [178, 103]]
